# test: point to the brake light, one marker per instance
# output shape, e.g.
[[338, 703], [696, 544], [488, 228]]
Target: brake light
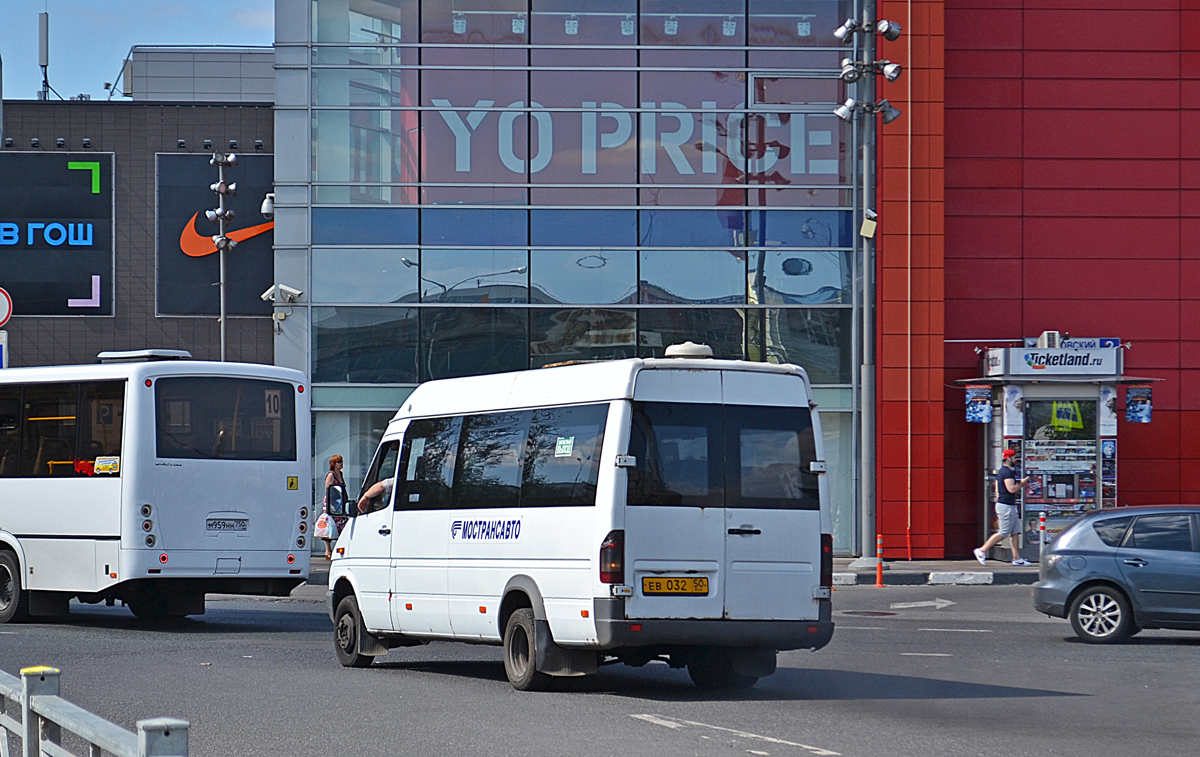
[[827, 561], [612, 558]]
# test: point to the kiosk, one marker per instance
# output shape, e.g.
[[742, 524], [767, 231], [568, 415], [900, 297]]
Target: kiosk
[[1055, 403]]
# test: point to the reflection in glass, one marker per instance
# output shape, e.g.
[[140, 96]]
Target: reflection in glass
[[557, 336], [372, 146], [793, 23], [343, 226], [838, 430], [376, 22], [473, 275], [475, 22], [583, 277], [474, 226], [691, 228], [719, 328], [364, 345], [702, 277], [379, 88], [489, 462], [370, 275], [817, 339], [694, 22], [583, 228], [799, 277], [354, 436], [813, 228], [562, 464], [473, 341], [584, 22]]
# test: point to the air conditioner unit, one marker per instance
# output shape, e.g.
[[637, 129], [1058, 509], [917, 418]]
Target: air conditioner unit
[[1049, 340]]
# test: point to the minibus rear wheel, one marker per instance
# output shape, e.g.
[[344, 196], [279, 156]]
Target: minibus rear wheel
[[345, 635], [520, 653], [14, 603]]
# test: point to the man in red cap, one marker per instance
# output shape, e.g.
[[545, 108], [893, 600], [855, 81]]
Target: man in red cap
[[1007, 486]]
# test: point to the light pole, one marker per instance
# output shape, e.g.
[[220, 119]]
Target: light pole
[[220, 216], [865, 107], [446, 289]]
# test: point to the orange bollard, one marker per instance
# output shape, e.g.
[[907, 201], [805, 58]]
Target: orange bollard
[[879, 561]]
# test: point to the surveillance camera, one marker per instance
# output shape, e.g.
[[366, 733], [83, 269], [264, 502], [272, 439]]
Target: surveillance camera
[[269, 295], [289, 294], [281, 294], [268, 206]]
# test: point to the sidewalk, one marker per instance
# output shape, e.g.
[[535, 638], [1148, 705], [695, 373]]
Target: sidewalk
[[935, 572]]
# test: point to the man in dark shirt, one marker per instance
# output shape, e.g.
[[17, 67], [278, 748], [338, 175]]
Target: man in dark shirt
[[1007, 486]]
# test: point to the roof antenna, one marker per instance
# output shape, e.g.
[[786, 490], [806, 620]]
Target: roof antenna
[[44, 56]]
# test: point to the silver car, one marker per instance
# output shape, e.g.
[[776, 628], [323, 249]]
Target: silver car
[[1116, 572]]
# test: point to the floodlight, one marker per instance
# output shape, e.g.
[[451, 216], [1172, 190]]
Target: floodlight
[[850, 72], [729, 26], [804, 28], [845, 32], [892, 71], [460, 23], [8, 141], [408, 263], [258, 144], [845, 111], [671, 26], [628, 26], [87, 143], [571, 25], [889, 113], [208, 144], [889, 29], [181, 144], [35, 143], [212, 215], [518, 24], [231, 159], [60, 142]]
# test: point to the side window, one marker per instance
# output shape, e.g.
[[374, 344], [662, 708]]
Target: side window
[[10, 430], [679, 454], [50, 428], [769, 452], [427, 464], [490, 460], [382, 472], [101, 415], [563, 462], [1169, 532], [1112, 530]]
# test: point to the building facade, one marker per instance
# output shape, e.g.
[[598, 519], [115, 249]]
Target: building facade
[[495, 185]]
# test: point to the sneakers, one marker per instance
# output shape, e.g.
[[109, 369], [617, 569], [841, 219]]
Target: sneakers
[[981, 557], [1019, 563]]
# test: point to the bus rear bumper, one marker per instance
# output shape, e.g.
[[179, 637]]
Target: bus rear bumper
[[614, 630]]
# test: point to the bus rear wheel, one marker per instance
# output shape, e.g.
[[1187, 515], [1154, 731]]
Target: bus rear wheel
[[14, 603], [345, 635], [520, 653]]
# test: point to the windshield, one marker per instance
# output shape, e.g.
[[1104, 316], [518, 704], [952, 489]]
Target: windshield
[[217, 418]]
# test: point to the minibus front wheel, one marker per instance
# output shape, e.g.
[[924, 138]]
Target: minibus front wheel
[[345, 634]]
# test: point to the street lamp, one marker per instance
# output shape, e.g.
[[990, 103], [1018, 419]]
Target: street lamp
[[220, 216], [863, 105]]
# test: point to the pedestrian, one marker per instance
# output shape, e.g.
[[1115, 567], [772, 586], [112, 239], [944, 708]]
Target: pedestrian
[[327, 529], [1007, 486]]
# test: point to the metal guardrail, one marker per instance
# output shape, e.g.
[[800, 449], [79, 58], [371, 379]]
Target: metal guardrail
[[44, 716]]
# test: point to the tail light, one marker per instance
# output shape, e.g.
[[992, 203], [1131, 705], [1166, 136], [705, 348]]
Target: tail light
[[612, 558], [827, 561]]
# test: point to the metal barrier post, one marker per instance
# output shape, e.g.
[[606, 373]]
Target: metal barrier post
[[37, 681], [1041, 535], [162, 737]]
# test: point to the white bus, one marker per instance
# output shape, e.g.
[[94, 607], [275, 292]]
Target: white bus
[[628, 511], [151, 481]]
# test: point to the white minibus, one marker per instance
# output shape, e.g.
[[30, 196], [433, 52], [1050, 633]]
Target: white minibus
[[628, 511], [151, 479]]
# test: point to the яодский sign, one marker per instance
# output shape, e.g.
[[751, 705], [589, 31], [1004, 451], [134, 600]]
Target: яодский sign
[[56, 232]]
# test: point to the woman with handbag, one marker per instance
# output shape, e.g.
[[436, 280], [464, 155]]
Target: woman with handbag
[[327, 528]]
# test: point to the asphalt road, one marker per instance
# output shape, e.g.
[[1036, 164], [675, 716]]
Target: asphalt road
[[983, 676]]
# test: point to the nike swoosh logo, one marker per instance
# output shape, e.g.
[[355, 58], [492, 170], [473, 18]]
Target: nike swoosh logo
[[195, 246]]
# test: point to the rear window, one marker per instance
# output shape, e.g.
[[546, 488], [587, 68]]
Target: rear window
[[708, 455], [218, 418], [1112, 530]]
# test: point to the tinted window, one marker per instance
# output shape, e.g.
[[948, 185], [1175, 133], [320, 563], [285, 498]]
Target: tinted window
[[1112, 530], [101, 415], [383, 468], [427, 465], [563, 462], [769, 452], [225, 418], [48, 443], [10, 430], [1171, 532], [678, 451], [490, 459]]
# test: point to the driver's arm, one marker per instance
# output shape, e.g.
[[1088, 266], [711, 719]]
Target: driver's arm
[[375, 490]]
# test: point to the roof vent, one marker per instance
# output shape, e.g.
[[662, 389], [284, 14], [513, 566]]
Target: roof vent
[[143, 356], [689, 349]]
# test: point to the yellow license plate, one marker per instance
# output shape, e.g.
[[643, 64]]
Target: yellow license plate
[[687, 587]]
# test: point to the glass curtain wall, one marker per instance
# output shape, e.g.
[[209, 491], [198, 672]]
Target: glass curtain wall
[[506, 184]]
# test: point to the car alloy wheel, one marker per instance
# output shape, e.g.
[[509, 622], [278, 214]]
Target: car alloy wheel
[[1101, 615]]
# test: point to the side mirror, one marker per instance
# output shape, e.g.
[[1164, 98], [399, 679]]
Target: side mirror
[[335, 500]]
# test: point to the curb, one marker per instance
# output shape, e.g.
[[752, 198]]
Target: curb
[[938, 578]]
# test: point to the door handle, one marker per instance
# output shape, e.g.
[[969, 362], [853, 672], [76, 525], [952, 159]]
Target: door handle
[[1137, 562], [384, 531], [744, 531]]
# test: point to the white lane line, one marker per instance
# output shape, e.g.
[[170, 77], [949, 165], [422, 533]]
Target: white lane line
[[957, 630], [925, 654], [680, 723]]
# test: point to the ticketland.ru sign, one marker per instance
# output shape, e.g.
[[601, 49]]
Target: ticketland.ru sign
[[1032, 362]]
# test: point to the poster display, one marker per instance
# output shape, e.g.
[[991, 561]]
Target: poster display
[[1108, 472], [979, 403], [1138, 403], [1061, 456], [1108, 411], [1014, 410]]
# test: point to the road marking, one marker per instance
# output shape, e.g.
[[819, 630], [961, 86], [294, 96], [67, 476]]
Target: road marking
[[957, 630], [755, 751], [925, 654], [937, 604], [675, 723], [9, 633]]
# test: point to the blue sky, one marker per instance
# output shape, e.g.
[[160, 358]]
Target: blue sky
[[90, 38]]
